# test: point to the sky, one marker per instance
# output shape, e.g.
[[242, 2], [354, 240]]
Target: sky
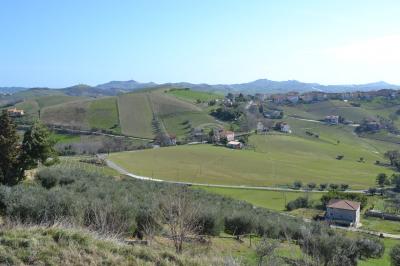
[[62, 43]]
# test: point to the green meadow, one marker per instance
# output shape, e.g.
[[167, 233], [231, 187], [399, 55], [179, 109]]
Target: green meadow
[[276, 160], [193, 96], [273, 200]]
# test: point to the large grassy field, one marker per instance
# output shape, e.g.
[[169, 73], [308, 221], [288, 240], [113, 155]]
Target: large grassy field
[[72, 114], [277, 160], [193, 96], [333, 107]]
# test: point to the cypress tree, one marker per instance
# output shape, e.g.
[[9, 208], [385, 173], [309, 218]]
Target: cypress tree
[[9, 151]]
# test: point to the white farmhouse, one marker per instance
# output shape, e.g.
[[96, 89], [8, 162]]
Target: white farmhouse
[[343, 212]]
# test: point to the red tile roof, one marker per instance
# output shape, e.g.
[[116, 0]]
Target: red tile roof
[[343, 204]]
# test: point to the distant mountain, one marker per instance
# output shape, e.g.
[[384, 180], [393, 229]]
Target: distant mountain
[[126, 85], [257, 86], [11, 90]]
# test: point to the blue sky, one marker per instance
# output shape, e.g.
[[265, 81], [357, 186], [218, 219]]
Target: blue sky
[[61, 43]]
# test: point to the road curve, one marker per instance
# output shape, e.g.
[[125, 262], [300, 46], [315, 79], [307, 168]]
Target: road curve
[[123, 171]]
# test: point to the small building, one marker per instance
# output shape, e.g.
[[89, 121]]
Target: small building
[[14, 112], [172, 139], [284, 127], [343, 212], [230, 135], [332, 119], [234, 144], [261, 129]]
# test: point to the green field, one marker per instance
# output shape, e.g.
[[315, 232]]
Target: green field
[[273, 200], [164, 104], [333, 107], [135, 115], [181, 124], [103, 113], [72, 114], [193, 96], [277, 160]]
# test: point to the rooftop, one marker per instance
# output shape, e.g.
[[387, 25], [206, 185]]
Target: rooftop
[[343, 204]]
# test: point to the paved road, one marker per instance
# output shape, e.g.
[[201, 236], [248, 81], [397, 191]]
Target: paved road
[[123, 171]]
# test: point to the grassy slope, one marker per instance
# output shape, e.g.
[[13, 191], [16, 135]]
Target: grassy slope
[[175, 123], [59, 246], [193, 96], [103, 113], [176, 107], [334, 107], [55, 99], [135, 115], [68, 114]]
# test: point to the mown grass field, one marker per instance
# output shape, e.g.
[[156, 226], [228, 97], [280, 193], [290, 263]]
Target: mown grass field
[[193, 96], [103, 113], [135, 115], [333, 107], [277, 160], [273, 200]]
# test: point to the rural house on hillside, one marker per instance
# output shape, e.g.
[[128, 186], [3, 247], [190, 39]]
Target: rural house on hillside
[[283, 127], [14, 112], [234, 144], [332, 119], [343, 212]]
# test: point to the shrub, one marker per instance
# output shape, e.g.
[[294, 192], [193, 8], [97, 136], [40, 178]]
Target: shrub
[[297, 184], [47, 180], [323, 186], [210, 223], [369, 248], [300, 202], [238, 224], [395, 255], [311, 185]]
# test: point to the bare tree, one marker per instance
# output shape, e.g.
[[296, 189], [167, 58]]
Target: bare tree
[[180, 214]]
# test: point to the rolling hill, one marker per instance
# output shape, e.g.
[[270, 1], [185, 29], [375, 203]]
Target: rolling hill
[[113, 88], [129, 113]]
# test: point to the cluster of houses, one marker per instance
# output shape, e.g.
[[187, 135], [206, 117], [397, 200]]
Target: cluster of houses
[[317, 96], [14, 112]]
